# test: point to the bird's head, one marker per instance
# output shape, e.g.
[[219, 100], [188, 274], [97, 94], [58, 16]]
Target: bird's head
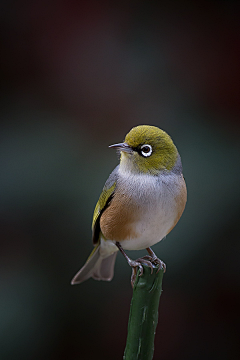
[[147, 150]]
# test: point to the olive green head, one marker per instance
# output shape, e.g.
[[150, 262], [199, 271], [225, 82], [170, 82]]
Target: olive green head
[[147, 149]]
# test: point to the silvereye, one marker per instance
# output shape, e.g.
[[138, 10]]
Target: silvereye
[[141, 202]]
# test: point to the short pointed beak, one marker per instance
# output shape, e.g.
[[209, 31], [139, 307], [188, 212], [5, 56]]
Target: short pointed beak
[[122, 147]]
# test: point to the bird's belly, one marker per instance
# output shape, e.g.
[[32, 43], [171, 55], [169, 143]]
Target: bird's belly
[[152, 228], [147, 216]]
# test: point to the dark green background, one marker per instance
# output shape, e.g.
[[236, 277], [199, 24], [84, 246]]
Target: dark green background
[[75, 78]]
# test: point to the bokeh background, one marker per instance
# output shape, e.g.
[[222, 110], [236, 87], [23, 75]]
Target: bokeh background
[[76, 76]]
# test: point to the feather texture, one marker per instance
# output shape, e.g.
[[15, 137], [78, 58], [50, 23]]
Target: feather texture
[[97, 266]]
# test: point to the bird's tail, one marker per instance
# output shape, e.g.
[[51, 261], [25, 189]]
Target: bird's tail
[[97, 267]]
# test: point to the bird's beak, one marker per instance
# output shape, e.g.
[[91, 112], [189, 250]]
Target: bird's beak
[[122, 147]]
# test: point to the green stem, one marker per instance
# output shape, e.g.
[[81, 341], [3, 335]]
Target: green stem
[[143, 315]]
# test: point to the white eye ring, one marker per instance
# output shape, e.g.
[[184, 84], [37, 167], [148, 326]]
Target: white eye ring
[[146, 150]]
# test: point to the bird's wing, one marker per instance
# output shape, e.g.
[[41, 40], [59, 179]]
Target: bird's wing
[[103, 202]]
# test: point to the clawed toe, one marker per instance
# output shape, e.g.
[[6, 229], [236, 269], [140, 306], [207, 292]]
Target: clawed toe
[[143, 260], [155, 260], [150, 261], [160, 264], [135, 265], [133, 276]]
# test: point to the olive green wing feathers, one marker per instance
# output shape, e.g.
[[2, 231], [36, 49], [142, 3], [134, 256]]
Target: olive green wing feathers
[[97, 266], [103, 202]]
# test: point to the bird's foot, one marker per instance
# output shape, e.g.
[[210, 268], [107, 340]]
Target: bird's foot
[[138, 264], [148, 260], [160, 264], [135, 265], [155, 260]]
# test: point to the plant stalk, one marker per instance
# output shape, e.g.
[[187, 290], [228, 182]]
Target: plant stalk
[[143, 317]]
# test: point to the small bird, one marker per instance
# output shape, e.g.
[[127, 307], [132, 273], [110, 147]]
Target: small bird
[[141, 202]]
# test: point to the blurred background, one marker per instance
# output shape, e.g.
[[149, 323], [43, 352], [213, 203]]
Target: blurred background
[[76, 76]]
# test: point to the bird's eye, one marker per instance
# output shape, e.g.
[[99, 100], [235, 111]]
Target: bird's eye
[[146, 150]]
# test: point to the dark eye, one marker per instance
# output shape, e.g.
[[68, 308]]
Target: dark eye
[[146, 150]]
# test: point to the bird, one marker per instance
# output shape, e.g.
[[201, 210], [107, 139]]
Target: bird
[[141, 202]]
